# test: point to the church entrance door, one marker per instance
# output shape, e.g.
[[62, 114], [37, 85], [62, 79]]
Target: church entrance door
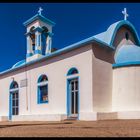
[[73, 98], [14, 104]]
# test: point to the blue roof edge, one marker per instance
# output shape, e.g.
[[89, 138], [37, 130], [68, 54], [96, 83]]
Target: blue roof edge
[[126, 64], [63, 50], [19, 63], [108, 36], [37, 16], [124, 23]]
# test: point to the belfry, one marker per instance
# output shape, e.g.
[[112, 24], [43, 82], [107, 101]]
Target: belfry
[[39, 36]]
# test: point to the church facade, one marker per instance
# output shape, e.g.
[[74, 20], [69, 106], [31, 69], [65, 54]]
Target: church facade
[[95, 79]]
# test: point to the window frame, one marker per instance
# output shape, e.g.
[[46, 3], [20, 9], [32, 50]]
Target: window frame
[[41, 84]]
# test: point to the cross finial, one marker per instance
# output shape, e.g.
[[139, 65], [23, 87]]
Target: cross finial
[[40, 10], [125, 14]]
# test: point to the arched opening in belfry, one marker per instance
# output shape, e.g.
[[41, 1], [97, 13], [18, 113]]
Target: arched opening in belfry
[[44, 39], [32, 36]]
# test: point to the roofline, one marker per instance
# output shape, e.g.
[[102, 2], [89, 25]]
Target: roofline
[[131, 27], [37, 16], [59, 52]]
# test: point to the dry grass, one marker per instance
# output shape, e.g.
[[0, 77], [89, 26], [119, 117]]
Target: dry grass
[[109, 128]]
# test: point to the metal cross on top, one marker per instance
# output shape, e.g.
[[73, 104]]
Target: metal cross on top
[[40, 10], [125, 14]]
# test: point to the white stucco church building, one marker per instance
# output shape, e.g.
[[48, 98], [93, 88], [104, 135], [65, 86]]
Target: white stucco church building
[[94, 79]]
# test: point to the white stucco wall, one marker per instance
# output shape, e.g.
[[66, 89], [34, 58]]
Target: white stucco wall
[[56, 69], [102, 79], [126, 89]]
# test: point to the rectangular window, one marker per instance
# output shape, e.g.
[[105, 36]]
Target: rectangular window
[[43, 93]]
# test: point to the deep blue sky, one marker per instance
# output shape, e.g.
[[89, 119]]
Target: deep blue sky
[[74, 22]]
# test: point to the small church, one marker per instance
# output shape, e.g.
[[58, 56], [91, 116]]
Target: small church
[[97, 78]]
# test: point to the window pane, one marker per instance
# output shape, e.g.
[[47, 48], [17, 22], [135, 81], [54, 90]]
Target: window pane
[[16, 113], [16, 102], [13, 95], [13, 111], [44, 93], [13, 102], [16, 95], [74, 71], [43, 78], [76, 85], [76, 102], [72, 102], [72, 85]]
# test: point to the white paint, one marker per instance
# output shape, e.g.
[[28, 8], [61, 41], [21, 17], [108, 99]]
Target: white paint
[[56, 69], [40, 10]]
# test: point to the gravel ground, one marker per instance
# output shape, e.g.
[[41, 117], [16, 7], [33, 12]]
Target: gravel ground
[[108, 128]]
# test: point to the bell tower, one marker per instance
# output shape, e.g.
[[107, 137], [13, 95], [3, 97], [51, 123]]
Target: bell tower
[[39, 36]]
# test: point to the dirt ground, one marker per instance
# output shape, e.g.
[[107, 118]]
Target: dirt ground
[[108, 128]]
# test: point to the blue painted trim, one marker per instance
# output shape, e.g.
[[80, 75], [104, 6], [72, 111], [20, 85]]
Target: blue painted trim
[[59, 52], [10, 99], [127, 24], [38, 90], [78, 45], [70, 71], [68, 101], [38, 17], [29, 54], [38, 96], [38, 52], [126, 64], [39, 40], [19, 63], [40, 77], [11, 85], [10, 106]]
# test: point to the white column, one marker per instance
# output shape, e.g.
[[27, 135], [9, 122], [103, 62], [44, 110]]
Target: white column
[[48, 44], [38, 43], [29, 46]]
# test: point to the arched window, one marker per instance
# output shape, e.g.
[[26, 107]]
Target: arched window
[[14, 99], [72, 71], [73, 93], [126, 35], [14, 85], [43, 89]]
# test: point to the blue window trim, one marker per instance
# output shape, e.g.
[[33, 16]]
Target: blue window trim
[[68, 99], [69, 72], [11, 85], [10, 99], [38, 90]]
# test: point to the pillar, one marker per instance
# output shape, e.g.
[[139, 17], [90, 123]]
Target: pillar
[[38, 43], [29, 47]]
